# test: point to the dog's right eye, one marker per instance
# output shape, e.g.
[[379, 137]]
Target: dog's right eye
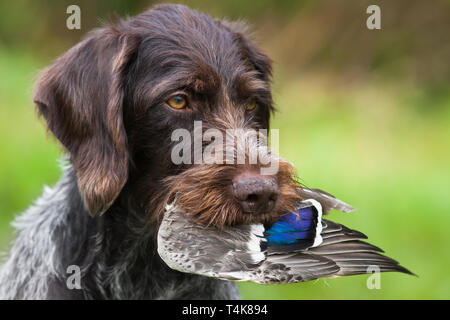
[[177, 102], [251, 106]]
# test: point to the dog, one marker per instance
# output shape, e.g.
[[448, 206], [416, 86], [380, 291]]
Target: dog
[[113, 102]]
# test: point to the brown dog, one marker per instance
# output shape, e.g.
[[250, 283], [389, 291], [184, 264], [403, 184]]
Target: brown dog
[[113, 101]]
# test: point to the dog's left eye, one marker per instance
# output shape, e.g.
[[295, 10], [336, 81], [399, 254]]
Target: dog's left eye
[[177, 102], [251, 106]]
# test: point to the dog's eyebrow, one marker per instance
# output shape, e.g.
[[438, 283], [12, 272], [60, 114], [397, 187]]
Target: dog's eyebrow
[[169, 83], [202, 80], [248, 82]]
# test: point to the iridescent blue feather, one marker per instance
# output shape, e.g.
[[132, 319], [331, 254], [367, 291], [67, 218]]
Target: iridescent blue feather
[[296, 228]]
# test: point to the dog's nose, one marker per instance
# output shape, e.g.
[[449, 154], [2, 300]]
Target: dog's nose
[[256, 193]]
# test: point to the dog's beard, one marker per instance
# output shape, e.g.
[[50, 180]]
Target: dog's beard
[[204, 193]]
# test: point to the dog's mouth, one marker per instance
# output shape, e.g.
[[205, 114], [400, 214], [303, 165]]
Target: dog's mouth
[[211, 195]]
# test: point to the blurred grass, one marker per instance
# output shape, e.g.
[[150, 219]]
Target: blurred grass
[[27, 159], [382, 147]]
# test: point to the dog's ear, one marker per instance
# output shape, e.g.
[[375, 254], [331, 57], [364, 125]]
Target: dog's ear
[[80, 96], [259, 60]]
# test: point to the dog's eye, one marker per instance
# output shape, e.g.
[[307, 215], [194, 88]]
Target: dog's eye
[[177, 102], [251, 106]]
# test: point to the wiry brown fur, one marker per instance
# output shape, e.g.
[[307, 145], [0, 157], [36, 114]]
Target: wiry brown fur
[[203, 192]]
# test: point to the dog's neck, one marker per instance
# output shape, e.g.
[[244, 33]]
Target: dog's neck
[[63, 253], [117, 254]]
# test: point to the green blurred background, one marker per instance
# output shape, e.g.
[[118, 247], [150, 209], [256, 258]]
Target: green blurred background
[[362, 114]]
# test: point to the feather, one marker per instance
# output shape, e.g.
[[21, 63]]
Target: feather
[[300, 246], [327, 200], [297, 230]]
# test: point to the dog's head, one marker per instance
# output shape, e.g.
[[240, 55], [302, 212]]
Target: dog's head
[[116, 99]]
